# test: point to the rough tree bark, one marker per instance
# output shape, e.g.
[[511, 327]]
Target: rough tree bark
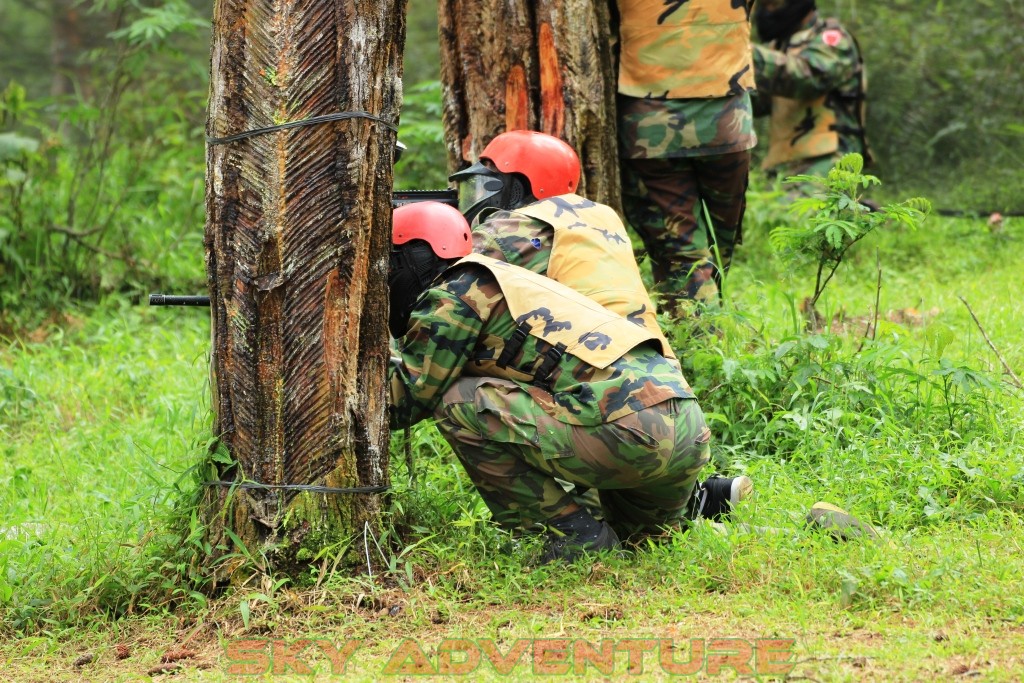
[[297, 237], [542, 65]]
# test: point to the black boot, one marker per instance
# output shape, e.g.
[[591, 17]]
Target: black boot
[[576, 533], [716, 496]]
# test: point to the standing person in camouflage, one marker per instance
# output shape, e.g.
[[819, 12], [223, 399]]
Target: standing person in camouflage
[[521, 198], [531, 381], [811, 79], [685, 134]]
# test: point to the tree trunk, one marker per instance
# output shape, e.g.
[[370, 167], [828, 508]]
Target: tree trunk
[[73, 32], [297, 238], [541, 65]]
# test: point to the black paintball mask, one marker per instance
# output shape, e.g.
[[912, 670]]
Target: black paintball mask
[[779, 19], [411, 269], [482, 187]]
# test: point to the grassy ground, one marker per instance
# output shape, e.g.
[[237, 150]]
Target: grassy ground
[[103, 410]]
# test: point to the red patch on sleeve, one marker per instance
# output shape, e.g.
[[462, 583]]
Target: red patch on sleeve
[[832, 37]]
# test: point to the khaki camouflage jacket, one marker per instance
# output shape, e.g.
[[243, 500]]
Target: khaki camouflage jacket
[[685, 75], [462, 324], [577, 242], [675, 49], [813, 84]]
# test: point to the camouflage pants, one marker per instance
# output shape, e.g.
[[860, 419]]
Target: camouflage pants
[[662, 201], [644, 465]]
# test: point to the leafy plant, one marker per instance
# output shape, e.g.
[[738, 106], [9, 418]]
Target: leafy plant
[[836, 219]]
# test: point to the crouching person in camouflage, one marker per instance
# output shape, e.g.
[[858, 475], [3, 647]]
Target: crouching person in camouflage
[[521, 199], [531, 382]]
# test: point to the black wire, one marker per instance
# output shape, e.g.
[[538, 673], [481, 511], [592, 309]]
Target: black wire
[[325, 118], [297, 487]]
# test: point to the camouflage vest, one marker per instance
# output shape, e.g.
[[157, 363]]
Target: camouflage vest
[[597, 262], [697, 49], [563, 318], [802, 129]]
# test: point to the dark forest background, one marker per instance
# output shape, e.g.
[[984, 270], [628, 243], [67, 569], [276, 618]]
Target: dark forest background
[[102, 110]]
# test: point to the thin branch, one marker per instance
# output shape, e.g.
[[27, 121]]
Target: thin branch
[[1009, 370], [76, 234], [79, 239], [409, 464], [873, 329]]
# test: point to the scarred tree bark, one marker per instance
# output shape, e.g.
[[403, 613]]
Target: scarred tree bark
[[297, 237], [531, 64]]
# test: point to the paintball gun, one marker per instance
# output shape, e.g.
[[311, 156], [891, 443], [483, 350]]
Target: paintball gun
[[178, 300], [398, 198]]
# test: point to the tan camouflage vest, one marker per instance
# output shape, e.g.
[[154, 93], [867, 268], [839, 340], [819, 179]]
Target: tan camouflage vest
[[700, 50], [568, 321], [584, 255], [801, 129]]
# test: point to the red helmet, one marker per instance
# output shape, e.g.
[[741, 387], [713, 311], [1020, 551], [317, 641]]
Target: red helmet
[[439, 225], [550, 164]]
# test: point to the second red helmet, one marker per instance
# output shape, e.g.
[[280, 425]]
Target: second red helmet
[[439, 225]]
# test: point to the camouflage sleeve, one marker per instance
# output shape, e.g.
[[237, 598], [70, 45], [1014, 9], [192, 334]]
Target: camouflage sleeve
[[809, 73], [516, 239], [443, 330]]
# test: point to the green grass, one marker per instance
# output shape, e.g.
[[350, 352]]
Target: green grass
[[98, 423], [917, 431]]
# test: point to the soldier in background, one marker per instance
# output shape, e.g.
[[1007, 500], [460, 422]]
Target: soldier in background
[[531, 383], [685, 134], [811, 80]]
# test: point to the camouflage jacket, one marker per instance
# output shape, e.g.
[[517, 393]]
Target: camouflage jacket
[[816, 84], [685, 75], [676, 49], [577, 242], [463, 322]]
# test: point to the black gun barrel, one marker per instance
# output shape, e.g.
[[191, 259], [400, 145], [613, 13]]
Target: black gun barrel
[[447, 196], [178, 300], [400, 197]]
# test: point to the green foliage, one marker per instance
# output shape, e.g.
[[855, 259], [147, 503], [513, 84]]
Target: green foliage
[[422, 53], [835, 219], [944, 83], [99, 425], [818, 393], [424, 165], [103, 192], [105, 431]]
